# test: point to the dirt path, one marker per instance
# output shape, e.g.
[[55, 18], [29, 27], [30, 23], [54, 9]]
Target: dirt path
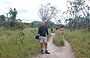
[[57, 52]]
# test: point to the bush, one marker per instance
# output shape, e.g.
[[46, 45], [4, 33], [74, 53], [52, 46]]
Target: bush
[[20, 25], [57, 39]]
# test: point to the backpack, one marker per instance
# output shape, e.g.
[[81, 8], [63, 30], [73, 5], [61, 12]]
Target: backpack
[[36, 36]]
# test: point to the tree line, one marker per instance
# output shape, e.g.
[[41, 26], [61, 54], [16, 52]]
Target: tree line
[[78, 14], [10, 21], [33, 25]]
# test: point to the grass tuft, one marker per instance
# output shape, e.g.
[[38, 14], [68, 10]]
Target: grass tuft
[[57, 40]]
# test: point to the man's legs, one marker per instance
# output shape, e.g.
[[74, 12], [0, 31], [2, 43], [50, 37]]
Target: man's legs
[[45, 46], [46, 51], [44, 41], [41, 45]]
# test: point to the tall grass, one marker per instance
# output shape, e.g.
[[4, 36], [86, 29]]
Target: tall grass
[[57, 40], [11, 47], [80, 42]]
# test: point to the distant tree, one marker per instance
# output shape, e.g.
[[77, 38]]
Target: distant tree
[[2, 20], [47, 12], [76, 9], [27, 25], [32, 24], [12, 13], [51, 24], [19, 20]]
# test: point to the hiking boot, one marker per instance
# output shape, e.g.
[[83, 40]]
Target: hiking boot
[[42, 52], [46, 52]]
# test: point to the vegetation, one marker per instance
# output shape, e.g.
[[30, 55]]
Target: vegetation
[[80, 42], [77, 15], [33, 25], [10, 22], [80, 23], [12, 47], [57, 39], [48, 12]]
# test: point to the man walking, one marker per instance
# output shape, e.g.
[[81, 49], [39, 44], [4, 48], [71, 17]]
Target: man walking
[[42, 31], [62, 31]]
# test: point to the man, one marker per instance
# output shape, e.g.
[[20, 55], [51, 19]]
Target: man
[[62, 31], [42, 31]]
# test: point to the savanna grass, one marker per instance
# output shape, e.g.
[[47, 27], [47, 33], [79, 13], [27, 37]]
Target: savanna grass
[[11, 47], [80, 42], [58, 40]]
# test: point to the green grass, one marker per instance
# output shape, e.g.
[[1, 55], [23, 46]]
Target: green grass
[[11, 47], [80, 42], [57, 40]]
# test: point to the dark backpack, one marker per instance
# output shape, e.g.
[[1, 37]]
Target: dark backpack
[[37, 37]]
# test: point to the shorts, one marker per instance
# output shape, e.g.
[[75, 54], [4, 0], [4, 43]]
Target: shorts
[[43, 39]]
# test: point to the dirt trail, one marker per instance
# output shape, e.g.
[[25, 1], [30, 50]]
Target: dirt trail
[[57, 52]]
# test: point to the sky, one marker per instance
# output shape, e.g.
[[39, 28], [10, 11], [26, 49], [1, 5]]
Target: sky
[[28, 9]]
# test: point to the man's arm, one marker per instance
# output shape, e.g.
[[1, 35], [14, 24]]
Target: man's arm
[[47, 34], [47, 31]]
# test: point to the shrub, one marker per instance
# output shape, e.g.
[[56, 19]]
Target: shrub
[[57, 39]]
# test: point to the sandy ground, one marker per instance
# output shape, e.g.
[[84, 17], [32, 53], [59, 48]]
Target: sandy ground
[[57, 52]]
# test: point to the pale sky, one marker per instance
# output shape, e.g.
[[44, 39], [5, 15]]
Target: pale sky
[[28, 9]]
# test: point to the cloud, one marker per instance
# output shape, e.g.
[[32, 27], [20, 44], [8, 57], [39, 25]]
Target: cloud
[[28, 9], [22, 11]]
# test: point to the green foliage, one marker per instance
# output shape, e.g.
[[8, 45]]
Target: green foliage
[[12, 13], [11, 22], [27, 25], [2, 19], [11, 48], [80, 42], [50, 24], [20, 25], [58, 39], [14, 23], [32, 25], [21, 35]]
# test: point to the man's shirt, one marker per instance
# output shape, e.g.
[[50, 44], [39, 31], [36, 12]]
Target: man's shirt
[[43, 30]]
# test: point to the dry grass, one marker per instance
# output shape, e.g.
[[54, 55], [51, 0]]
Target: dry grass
[[58, 39], [80, 41]]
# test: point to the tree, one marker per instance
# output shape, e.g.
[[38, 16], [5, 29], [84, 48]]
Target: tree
[[13, 13], [47, 12], [32, 24], [76, 9], [19, 20], [2, 20], [51, 24]]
